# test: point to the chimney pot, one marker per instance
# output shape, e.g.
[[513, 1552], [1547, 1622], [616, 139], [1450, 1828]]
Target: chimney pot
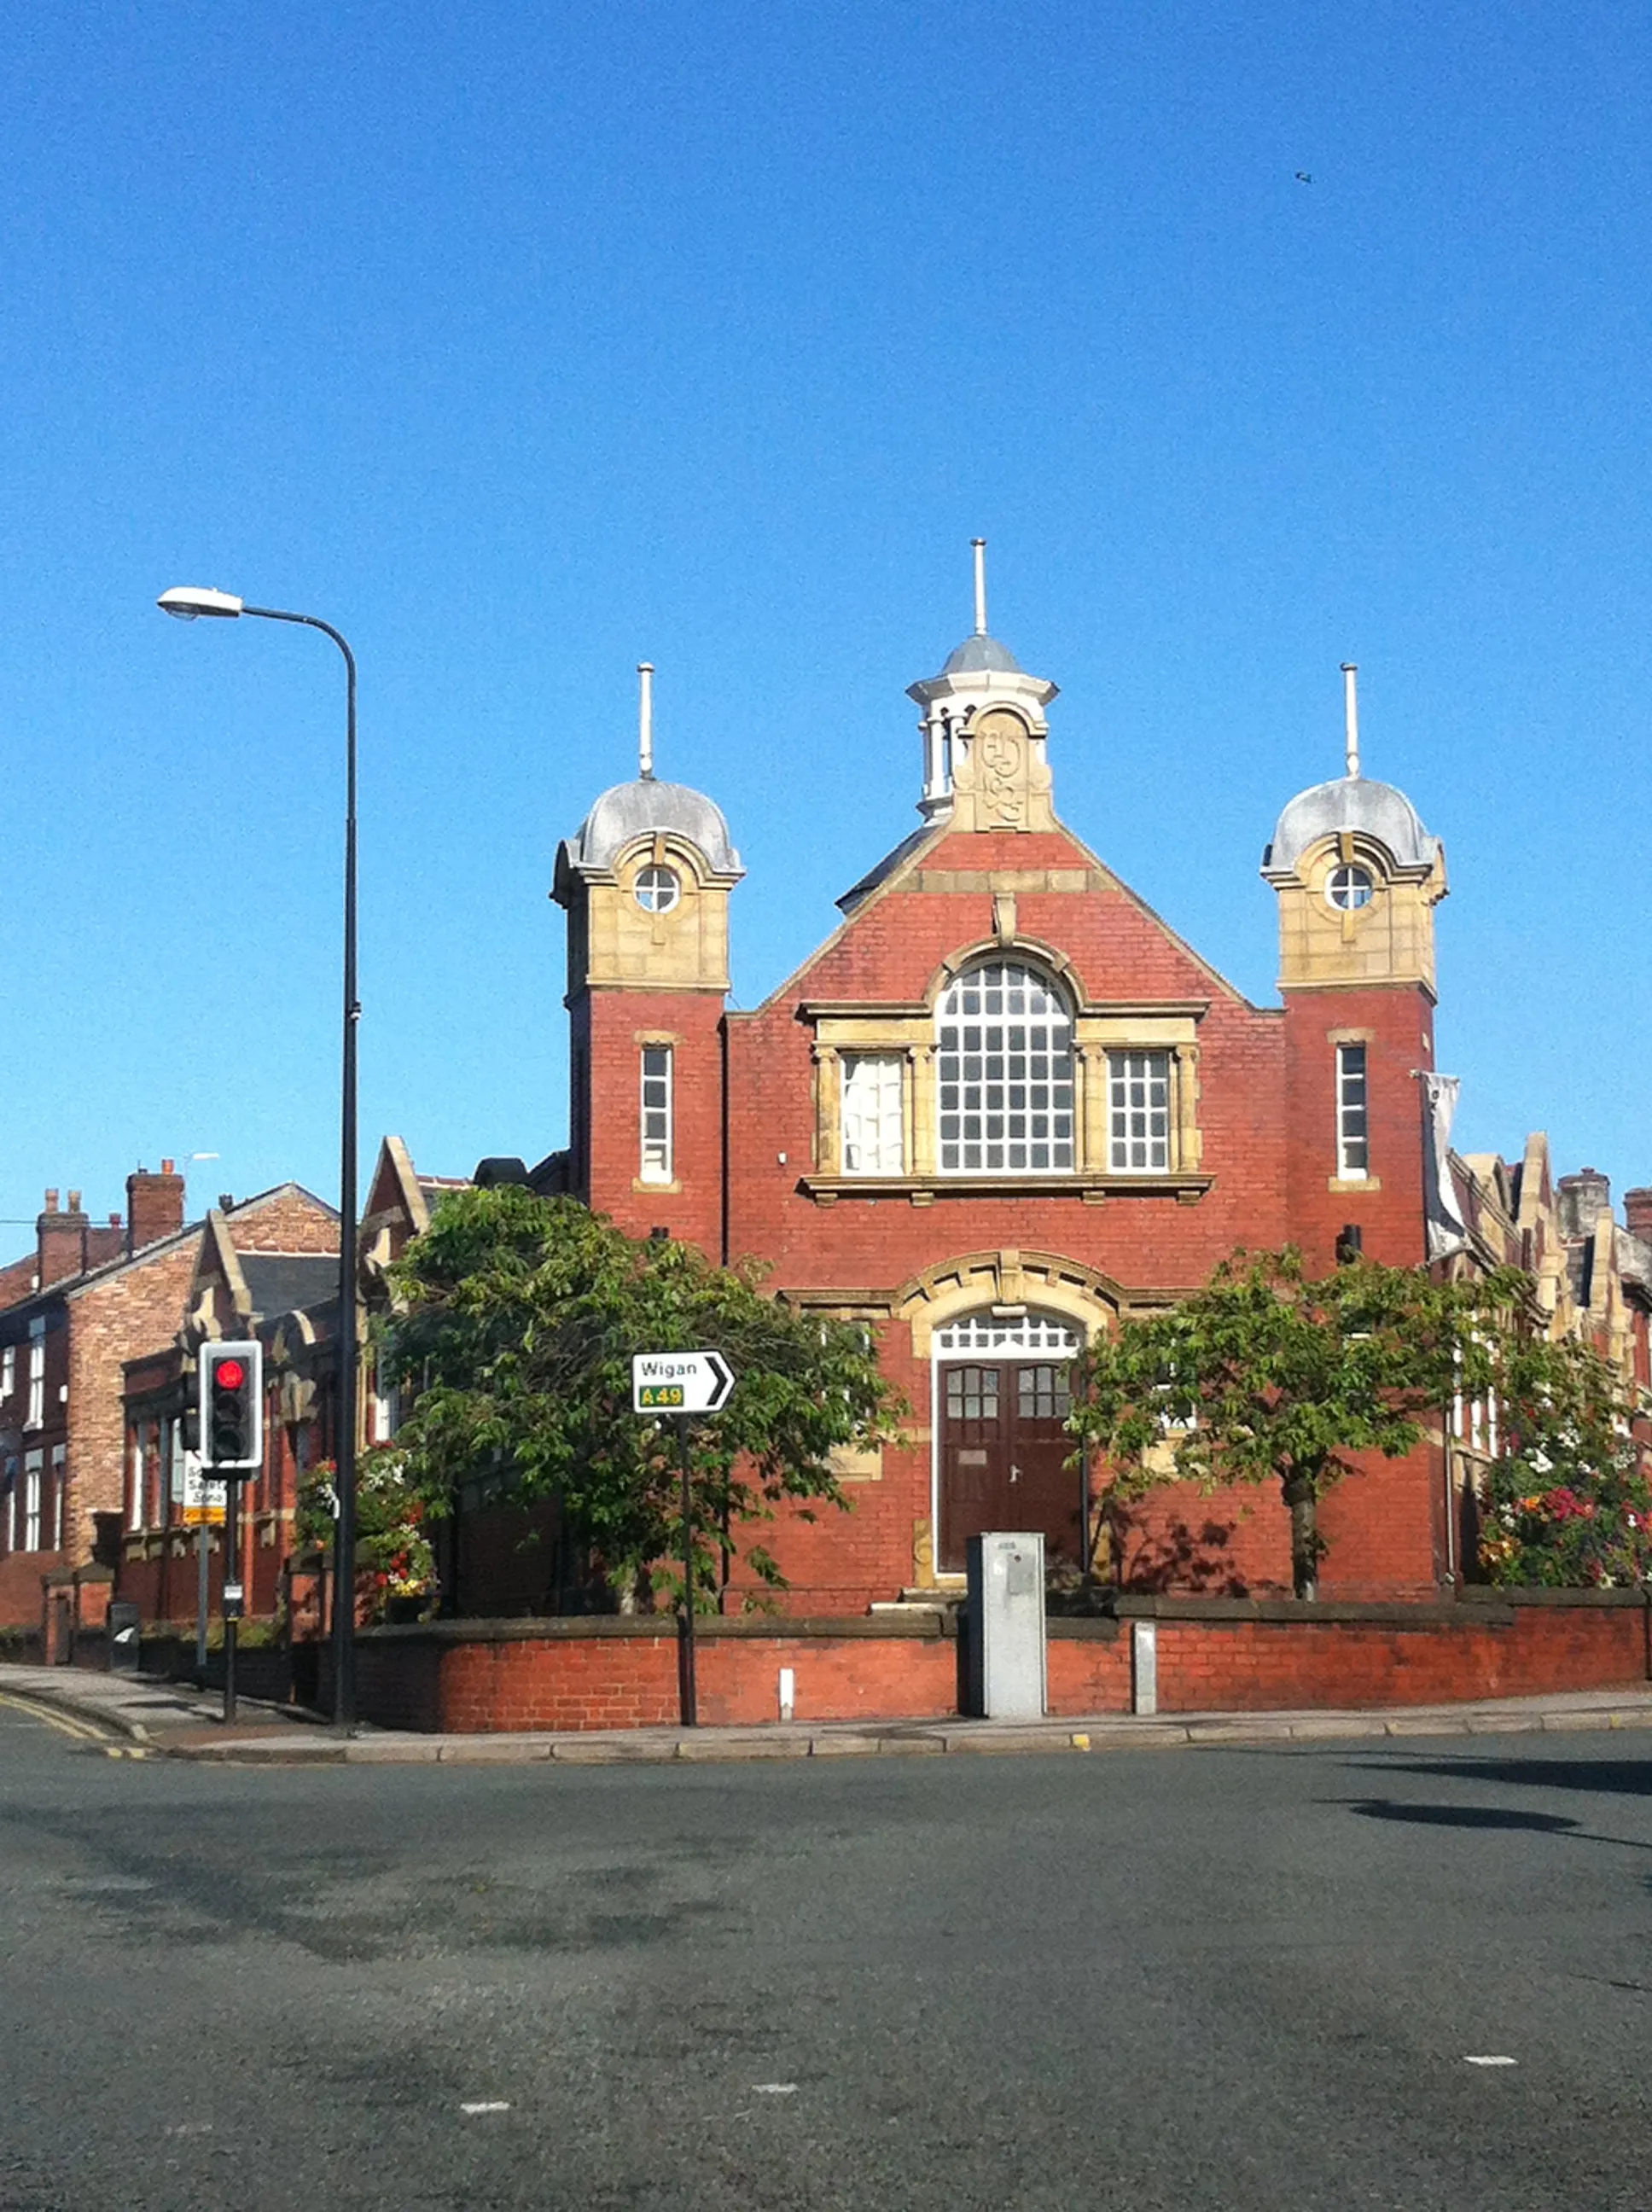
[[74, 1201], [168, 1167], [51, 1201], [226, 1200]]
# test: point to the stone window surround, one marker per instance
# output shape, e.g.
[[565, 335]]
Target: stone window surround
[[907, 1032]]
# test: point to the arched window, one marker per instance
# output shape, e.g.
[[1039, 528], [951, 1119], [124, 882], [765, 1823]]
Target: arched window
[[1003, 1072]]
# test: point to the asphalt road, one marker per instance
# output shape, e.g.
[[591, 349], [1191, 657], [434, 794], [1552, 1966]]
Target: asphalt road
[[1221, 1978]]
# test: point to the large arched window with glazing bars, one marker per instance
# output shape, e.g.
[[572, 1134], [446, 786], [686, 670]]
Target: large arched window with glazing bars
[[1003, 1072]]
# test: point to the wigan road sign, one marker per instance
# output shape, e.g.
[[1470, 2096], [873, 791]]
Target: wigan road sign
[[680, 1382]]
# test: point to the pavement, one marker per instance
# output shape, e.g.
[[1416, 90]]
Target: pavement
[[138, 1717]]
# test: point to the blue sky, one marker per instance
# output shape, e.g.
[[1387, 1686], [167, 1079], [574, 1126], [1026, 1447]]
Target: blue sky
[[525, 343]]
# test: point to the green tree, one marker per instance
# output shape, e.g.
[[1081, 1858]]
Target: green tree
[[1266, 1375], [517, 1320], [1567, 1501]]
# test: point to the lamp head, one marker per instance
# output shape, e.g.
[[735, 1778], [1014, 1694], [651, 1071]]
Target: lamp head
[[186, 601]]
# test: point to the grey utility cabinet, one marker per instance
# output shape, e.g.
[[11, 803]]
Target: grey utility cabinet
[[1004, 1627]]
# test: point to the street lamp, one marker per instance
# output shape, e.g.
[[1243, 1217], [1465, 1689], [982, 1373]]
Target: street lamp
[[188, 603]]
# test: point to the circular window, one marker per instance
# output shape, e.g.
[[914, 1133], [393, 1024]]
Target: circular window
[[1350, 888], [658, 890]]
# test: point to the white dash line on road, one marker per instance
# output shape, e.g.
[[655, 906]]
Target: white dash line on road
[[1488, 2058], [486, 2105], [775, 2088]]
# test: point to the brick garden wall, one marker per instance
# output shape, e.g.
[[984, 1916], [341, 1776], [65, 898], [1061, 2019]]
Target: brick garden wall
[[1213, 1656]]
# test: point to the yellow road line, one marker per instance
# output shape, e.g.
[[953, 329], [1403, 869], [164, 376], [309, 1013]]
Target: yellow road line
[[82, 1731]]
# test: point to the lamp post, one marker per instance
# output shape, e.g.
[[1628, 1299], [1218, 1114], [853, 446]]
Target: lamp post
[[187, 603]]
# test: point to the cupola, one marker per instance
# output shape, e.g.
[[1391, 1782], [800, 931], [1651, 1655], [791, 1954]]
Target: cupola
[[984, 729], [1357, 876], [646, 879]]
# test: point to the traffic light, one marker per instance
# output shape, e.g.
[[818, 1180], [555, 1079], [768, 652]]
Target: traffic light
[[232, 1407]]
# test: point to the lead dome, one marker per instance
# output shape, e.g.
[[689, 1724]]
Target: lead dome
[[1360, 806], [643, 808]]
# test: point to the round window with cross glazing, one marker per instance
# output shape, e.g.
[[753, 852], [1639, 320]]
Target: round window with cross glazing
[[1350, 887], [658, 889]]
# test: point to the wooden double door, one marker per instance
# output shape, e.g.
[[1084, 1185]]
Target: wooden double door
[[1003, 1445]]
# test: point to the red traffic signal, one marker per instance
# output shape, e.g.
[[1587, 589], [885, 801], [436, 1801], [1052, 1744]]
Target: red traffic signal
[[232, 1407]]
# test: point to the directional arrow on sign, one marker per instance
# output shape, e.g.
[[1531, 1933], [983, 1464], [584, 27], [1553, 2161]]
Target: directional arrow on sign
[[680, 1382]]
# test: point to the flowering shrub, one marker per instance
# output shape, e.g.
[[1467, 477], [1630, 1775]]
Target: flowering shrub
[[394, 1557], [1592, 1530], [1569, 1505]]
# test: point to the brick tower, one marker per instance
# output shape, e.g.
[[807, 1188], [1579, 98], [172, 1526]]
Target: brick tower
[[646, 884], [1358, 878]]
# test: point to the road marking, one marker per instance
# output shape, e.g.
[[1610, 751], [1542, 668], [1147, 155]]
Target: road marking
[[489, 2104], [82, 1731], [1488, 2058], [775, 2088], [1081, 1743]]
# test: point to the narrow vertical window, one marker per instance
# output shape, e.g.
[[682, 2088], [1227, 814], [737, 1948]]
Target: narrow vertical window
[[36, 1373], [1139, 1112], [657, 1113], [8, 1371], [54, 1542], [32, 1463], [11, 1504], [135, 1483], [1353, 1119], [872, 1138]]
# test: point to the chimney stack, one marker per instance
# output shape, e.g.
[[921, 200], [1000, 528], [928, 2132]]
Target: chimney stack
[[155, 1206], [1584, 1197], [60, 1239], [1637, 1213]]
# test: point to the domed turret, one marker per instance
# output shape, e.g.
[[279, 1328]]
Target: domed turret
[[1357, 876], [646, 880]]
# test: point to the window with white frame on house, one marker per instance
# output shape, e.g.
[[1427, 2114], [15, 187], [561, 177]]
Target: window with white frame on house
[[1139, 1112], [873, 1143], [8, 1371], [386, 1410], [1003, 1072], [54, 1541], [657, 1132], [33, 1463], [10, 1472], [135, 1481], [36, 1373], [1353, 1118]]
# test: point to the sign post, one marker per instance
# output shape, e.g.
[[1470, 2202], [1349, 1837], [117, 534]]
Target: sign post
[[682, 1384]]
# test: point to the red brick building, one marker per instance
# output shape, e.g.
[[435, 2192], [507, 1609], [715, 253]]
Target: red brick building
[[1005, 1103], [90, 1299]]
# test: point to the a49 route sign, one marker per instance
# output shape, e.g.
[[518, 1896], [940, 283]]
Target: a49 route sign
[[680, 1382]]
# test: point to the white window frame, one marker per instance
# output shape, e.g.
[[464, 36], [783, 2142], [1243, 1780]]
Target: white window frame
[[1353, 1112], [872, 1103], [13, 1475], [135, 1502], [59, 1469], [1140, 1109], [990, 1099], [657, 1115], [8, 1371], [387, 1412], [34, 1469], [36, 1415]]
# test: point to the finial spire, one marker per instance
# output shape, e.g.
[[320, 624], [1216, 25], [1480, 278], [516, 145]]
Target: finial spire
[[980, 544], [645, 719], [1350, 709]]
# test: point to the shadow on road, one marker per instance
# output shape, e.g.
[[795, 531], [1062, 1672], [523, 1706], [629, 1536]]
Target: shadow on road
[[1618, 1778]]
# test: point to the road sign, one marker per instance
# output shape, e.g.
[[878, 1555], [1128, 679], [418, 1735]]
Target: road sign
[[680, 1382], [204, 1500]]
